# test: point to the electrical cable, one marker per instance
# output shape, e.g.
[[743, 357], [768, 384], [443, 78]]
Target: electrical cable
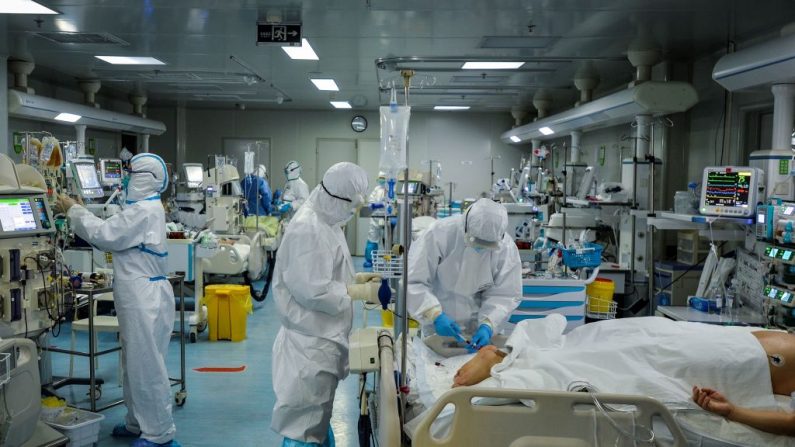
[[631, 436]]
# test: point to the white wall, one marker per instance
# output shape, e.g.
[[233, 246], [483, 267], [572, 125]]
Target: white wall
[[464, 142]]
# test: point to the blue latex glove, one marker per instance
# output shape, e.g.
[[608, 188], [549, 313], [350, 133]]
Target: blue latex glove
[[447, 327], [482, 338], [285, 207]]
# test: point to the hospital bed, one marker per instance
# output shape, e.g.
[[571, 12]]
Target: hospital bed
[[251, 255], [486, 415]]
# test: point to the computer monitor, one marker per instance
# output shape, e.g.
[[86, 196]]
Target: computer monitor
[[730, 190], [24, 215], [86, 179], [194, 175], [110, 171]]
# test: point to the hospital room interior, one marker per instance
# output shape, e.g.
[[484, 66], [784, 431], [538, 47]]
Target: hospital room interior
[[371, 223]]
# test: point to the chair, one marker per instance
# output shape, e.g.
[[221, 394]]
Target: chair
[[102, 323]]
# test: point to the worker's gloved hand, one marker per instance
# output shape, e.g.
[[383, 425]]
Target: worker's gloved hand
[[447, 327], [364, 277], [365, 292], [63, 203], [481, 338], [285, 207]]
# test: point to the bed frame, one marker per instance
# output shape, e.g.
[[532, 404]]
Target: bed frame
[[555, 419], [558, 419]]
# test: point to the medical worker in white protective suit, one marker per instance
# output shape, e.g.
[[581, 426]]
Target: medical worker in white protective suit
[[312, 292], [465, 272], [143, 297], [296, 190]]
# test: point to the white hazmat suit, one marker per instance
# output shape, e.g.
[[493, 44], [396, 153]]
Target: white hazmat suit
[[296, 190], [144, 299], [313, 268], [449, 273]]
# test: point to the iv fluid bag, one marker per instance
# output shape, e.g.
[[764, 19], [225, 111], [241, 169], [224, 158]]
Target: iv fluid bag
[[394, 135], [248, 163]]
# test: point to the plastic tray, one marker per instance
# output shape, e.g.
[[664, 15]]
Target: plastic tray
[[588, 256], [80, 426]]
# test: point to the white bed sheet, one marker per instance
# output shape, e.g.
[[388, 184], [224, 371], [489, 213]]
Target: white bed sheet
[[429, 381]]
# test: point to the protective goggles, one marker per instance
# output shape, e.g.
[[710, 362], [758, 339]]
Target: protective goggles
[[355, 202]]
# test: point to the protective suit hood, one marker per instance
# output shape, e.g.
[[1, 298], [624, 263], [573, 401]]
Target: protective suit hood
[[292, 170], [261, 171], [148, 178], [341, 191], [485, 223]]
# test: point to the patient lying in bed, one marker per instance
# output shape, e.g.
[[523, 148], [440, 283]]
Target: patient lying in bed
[[670, 361]]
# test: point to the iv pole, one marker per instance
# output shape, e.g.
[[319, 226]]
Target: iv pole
[[403, 296]]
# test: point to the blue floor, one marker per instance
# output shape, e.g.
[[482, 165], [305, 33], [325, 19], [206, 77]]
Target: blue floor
[[222, 409]]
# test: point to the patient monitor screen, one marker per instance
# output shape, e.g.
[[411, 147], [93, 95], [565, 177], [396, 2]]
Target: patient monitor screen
[[111, 172], [728, 189], [87, 175], [16, 214]]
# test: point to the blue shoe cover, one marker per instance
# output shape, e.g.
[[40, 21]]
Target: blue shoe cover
[[293, 443], [144, 443], [120, 431], [329, 438]]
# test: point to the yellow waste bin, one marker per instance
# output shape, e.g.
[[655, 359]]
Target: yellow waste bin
[[600, 295], [228, 307]]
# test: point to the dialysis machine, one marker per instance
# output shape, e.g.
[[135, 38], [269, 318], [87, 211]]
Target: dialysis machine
[[29, 299]]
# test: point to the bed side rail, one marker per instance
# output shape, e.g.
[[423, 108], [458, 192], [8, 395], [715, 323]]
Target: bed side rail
[[553, 419], [388, 416]]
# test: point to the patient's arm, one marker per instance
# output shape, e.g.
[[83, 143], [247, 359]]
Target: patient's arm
[[775, 422], [479, 367]]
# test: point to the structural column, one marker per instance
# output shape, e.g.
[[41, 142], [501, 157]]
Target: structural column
[[783, 115]]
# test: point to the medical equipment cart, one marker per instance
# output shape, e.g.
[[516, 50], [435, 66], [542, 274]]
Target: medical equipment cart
[[95, 384]]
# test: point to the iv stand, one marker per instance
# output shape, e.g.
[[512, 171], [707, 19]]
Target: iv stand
[[403, 296]]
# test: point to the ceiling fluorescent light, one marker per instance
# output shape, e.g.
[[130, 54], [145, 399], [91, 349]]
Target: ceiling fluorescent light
[[24, 7], [451, 108], [492, 65], [68, 117], [325, 84], [515, 139], [304, 52], [341, 104], [546, 131], [130, 60]]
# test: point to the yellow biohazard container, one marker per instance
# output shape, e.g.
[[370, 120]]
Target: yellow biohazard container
[[228, 307], [600, 295]]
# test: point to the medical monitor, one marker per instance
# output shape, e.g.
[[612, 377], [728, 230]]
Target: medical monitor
[[730, 191], [86, 179], [194, 175], [110, 172], [414, 187], [24, 215]]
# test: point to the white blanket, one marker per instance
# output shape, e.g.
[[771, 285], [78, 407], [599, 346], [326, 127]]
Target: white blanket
[[649, 356]]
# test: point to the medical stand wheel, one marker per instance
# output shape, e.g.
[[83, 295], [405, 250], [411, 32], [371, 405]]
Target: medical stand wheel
[[180, 397]]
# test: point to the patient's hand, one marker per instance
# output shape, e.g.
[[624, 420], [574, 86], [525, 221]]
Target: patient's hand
[[478, 368], [712, 401]]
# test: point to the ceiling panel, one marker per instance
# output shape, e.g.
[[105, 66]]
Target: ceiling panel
[[349, 35]]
